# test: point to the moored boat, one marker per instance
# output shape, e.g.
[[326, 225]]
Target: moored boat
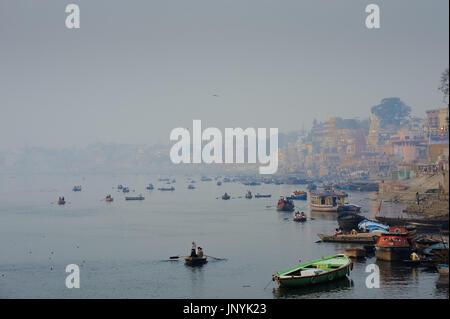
[[298, 195], [318, 271], [327, 201], [355, 252], [249, 195], [395, 245], [191, 186], [150, 186], [361, 238], [349, 220], [442, 269], [225, 196]]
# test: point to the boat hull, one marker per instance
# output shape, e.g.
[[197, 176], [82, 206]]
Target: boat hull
[[392, 253], [324, 208], [294, 281], [195, 261], [364, 238]]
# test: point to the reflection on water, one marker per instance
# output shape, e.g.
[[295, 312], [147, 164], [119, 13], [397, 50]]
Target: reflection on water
[[329, 287]]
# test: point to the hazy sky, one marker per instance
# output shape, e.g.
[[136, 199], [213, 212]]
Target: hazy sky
[[137, 69]]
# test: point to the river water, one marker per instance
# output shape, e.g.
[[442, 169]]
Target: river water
[[123, 247]]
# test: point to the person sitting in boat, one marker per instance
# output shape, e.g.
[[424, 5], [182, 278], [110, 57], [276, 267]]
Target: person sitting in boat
[[414, 256], [353, 232], [337, 232], [193, 253], [302, 214], [199, 252]]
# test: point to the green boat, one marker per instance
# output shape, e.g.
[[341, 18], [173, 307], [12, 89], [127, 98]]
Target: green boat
[[318, 271]]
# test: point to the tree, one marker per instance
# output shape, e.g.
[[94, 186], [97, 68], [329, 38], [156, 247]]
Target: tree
[[444, 85], [391, 111]]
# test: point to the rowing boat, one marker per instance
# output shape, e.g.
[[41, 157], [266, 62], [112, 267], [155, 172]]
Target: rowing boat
[[195, 261], [318, 271]]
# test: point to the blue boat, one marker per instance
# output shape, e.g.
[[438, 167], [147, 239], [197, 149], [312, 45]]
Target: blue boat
[[150, 186], [125, 190], [298, 195]]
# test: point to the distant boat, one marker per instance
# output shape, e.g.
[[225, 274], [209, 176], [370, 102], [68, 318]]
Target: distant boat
[[150, 186], [140, 197], [327, 201], [206, 179], [125, 190], [77, 188], [226, 196], [108, 198], [297, 195], [285, 204], [195, 261], [191, 186], [219, 183], [166, 188], [61, 201], [262, 195], [119, 186], [249, 195], [318, 271], [299, 217]]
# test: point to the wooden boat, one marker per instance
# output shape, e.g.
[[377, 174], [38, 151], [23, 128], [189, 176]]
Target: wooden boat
[[286, 205], [441, 223], [140, 197], [262, 195], [355, 252], [349, 220], [349, 208], [300, 219], [443, 269], [170, 189], [196, 261], [225, 196], [249, 195], [395, 245], [322, 270], [327, 201], [361, 238]]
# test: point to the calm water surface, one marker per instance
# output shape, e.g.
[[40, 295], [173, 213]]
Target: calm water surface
[[123, 247]]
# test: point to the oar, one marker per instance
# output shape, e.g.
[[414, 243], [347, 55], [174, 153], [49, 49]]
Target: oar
[[215, 257], [175, 257]]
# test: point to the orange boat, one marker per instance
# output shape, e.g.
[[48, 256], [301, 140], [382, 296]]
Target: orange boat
[[396, 245], [109, 198], [61, 201]]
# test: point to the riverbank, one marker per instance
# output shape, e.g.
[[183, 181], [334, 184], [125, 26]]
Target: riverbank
[[433, 202]]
